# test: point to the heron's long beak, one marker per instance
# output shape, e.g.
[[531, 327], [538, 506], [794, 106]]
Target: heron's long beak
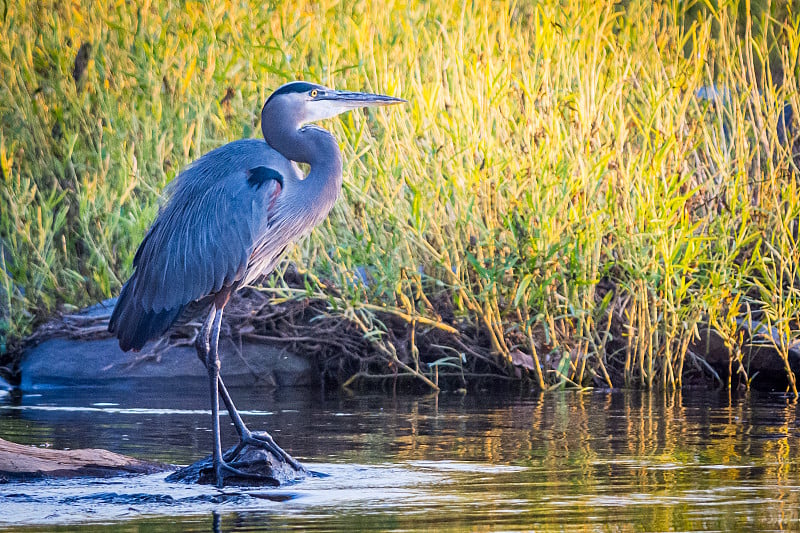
[[352, 100]]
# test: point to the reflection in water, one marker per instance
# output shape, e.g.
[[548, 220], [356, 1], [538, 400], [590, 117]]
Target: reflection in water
[[598, 461]]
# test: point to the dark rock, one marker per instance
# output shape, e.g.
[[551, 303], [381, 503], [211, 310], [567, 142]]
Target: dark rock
[[27, 463], [79, 351], [273, 471], [761, 359], [81, 61], [68, 362]]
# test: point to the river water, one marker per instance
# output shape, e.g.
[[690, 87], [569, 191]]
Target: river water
[[570, 461]]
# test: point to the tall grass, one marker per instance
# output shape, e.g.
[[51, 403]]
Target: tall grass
[[556, 187]]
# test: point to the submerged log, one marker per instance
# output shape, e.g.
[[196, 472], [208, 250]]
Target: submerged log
[[26, 463]]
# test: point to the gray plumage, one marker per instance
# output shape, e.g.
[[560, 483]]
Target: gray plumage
[[215, 230], [226, 220]]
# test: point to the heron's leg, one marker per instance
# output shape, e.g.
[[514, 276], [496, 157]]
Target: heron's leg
[[203, 340], [212, 365], [221, 467], [260, 439], [203, 346]]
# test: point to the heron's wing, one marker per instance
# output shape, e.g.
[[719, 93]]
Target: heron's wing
[[204, 236]]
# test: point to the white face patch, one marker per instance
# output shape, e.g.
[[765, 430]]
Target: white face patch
[[321, 109]]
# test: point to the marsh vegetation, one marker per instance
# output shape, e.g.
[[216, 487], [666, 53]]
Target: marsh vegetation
[[573, 194]]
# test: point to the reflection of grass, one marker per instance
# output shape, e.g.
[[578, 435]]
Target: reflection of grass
[[555, 185]]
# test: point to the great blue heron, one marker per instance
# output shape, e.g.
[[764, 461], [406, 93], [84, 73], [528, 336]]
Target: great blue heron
[[227, 220]]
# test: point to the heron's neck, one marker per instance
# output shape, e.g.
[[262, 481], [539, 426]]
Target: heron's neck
[[321, 152], [324, 180], [317, 148]]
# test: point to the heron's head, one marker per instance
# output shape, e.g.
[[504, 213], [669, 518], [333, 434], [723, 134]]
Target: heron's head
[[302, 102]]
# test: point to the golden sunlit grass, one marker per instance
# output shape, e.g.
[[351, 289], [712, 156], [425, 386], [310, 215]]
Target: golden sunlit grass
[[583, 184]]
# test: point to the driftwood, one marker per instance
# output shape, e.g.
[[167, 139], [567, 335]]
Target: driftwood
[[24, 463]]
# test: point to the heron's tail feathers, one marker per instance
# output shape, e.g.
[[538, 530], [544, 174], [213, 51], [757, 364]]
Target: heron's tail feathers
[[134, 326]]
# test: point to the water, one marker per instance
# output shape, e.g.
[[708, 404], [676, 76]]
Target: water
[[596, 461]]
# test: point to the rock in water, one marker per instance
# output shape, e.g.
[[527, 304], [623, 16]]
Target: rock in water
[[273, 471]]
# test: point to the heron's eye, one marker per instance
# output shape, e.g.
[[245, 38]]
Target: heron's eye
[[313, 93]]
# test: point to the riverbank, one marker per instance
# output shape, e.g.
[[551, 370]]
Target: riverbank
[[301, 342], [574, 194]]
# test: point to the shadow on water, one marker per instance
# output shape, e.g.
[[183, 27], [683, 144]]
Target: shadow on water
[[597, 461]]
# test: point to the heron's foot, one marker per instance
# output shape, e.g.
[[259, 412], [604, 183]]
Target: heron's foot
[[264, 441], [225, 470]]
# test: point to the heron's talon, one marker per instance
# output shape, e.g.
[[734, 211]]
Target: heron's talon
[[231, 455], [265, 441], [262, 441]]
